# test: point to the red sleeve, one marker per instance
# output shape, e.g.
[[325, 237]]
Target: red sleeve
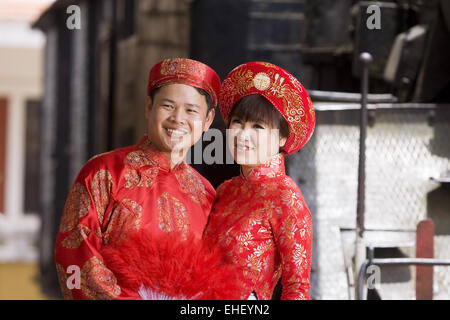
[[80, 267], [292, 229]]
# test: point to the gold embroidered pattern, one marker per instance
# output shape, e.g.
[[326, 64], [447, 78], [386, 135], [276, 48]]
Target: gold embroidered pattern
[[125, 219], [311, 108], [74, 239], [254, 263], [192, 185], [172, 215], [180, 66], [266, 64], [97, 281], [299, 256], [134, 175], [288, 229], [101, 186], [76, 207], [62, 279], [98, 232], [243, 80], [305, 226], [261, 81], [291, 198]]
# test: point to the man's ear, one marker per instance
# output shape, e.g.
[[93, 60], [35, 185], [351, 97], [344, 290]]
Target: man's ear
[[148, 106], [209, 119]]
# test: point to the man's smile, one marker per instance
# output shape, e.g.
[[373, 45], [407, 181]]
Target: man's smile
[[175, 133]]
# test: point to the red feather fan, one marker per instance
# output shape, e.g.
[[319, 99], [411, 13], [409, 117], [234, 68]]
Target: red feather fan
[[166, 267]]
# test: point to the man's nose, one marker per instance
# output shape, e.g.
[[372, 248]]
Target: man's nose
[[178, 115]]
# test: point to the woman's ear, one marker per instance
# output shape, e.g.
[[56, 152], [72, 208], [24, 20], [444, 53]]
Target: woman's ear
[[282, 142]]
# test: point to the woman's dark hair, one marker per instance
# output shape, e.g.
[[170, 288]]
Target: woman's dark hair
[[201, 91], [257, 108]]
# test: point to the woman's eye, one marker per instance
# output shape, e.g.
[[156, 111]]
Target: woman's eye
[[257, 126], [236, 121]]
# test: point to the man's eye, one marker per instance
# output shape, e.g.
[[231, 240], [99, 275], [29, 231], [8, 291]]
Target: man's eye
[[167, 106], [192, 111]]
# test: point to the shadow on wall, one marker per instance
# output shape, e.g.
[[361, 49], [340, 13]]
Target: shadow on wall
[[438, 209]]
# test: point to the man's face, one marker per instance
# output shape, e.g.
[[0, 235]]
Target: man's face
[[177, 117]]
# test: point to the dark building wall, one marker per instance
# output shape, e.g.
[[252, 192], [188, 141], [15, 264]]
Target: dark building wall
[[228, 33], [95, 89]]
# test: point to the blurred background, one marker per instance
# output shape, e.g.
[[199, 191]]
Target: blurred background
[[73, 84]]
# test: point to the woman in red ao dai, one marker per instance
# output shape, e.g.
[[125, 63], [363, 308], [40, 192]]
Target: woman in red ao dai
[[260, 219]]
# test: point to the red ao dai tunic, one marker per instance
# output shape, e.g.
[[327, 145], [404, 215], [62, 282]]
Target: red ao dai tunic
[[264, 227], [114, 195]]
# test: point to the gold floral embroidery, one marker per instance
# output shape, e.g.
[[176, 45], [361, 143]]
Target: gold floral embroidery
[[305, 227], [292, 199], [76, 207], [172, 215], [254, 263], [245, 239], [97, 281], [125, 219], [262, 248], [74, 239], [299, 256], [62, 278], [288, 230], [271, 210], [255, 217], [192, 185], [134, 175], [243, 80], [101, 186]]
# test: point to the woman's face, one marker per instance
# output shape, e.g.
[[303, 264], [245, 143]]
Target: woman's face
[[253, 143]]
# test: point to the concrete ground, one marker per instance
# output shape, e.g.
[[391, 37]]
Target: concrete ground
[[18, 281]]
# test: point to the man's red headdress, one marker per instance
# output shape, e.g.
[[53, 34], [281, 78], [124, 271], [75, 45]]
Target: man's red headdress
[[185, 71]]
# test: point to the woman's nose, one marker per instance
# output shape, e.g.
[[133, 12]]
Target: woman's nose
[[244, 135]]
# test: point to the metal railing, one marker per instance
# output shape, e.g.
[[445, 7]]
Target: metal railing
[[393, 261]]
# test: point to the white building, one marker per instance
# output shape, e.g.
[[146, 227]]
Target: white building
[[21, 73]]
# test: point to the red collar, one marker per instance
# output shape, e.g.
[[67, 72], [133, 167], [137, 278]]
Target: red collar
[[272, 168], [157, 157]]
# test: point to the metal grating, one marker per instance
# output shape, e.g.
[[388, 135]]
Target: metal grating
[[404, 148]]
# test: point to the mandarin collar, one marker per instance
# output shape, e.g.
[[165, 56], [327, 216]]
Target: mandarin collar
[[156, 156], [270, 169]]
